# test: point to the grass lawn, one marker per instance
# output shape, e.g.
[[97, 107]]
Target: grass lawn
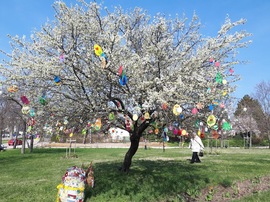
[[154, 176]]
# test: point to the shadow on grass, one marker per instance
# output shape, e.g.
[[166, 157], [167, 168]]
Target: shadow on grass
[[153, 178]]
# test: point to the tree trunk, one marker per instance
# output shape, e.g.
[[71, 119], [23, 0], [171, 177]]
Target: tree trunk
[[134, 145], [85, 137], [1, 136], [268, 138], [15, 142], [31, 143], [24, 139]]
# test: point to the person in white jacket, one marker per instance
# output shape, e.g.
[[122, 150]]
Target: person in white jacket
[[196, 146]]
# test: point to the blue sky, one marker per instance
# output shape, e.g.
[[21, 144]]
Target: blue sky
[[21, 17]]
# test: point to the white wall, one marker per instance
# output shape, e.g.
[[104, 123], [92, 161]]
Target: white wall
[[119, 134]]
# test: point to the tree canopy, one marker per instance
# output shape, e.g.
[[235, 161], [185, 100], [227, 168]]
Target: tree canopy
[[91, 62]]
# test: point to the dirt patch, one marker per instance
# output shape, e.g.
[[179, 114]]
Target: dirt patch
[[235, 191]]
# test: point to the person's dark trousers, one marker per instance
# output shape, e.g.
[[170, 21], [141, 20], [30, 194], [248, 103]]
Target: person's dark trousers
[[195, 158]]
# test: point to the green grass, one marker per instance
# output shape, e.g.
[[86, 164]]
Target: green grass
[[154, 176]]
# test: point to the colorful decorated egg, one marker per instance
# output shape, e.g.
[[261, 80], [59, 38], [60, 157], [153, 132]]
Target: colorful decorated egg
[[111, 116], [211, 120], [184, 132], [164, 106], [13, 89], [135, 117], [177, 109], [147, 115], [194, 111], [98, 50], [25, 109]]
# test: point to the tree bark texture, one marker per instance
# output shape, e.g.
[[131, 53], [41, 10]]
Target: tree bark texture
[[134, 145]]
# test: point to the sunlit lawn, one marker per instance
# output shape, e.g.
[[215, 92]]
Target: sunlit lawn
[[154, 176]]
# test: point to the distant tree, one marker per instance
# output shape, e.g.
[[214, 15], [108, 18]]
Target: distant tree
[[142, 69], [248, 116], [10, 119], [262, 94]]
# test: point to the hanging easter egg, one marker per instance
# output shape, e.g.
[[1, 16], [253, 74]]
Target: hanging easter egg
[[199, 132], [177, 109], [65, 122], [231, 71], [224, 93], [24, 100], [111, 116], [89, 124], [175, 131], [156, 131], [197, 123], [217, 64], [98, 124], [29, 128], [147, 115], [244, 109], [211, 60], [211, 120], [184, 132], [13, 89], [135, 117], [181, 116], [123, 80], [166, 130], [199, 105], [179, 132], [84, 131], [222, 105], [215, 102], [98, 50], [31, 122], [120, 71], [206, 129], [211, 107], [32, 112], [57, 80], [194, 111], [103, 62], [226, 126], [71, 135], [224, 81], [175, 124], [215, 134], [201, 135], [219, 78], [164, 106], [62, 57], [25, 109], [215, 127], [42, 100], [128, 125]]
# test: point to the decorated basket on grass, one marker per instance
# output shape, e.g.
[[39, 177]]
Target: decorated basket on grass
[[72, 187]]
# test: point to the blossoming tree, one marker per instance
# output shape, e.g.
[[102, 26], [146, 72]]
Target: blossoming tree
[[124, 68]]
